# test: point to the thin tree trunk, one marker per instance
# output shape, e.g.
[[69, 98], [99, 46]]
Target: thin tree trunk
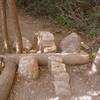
[[13, 12], [4, 26]]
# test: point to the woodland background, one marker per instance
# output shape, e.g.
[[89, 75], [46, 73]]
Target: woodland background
[[81, 15]]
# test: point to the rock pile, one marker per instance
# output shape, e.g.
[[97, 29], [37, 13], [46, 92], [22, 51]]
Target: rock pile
[[28, 67], [46, 42], [60, 76]]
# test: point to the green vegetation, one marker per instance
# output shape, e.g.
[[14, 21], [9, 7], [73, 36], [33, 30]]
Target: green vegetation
[[83, 15]]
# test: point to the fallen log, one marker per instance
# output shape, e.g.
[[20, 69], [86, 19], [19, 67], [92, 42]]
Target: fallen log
[[68, 58], [7, 78]]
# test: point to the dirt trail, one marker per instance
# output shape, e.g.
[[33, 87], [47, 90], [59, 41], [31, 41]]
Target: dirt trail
[[30, 25], [82, 85]]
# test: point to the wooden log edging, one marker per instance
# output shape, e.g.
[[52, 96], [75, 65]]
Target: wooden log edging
[[7, 78], [68, 58]]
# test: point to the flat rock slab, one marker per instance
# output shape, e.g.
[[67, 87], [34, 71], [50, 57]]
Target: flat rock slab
[[60, 78]]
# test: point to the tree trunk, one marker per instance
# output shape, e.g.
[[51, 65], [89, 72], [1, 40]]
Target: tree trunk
[[13, 12], [4, 25], [6, 79]]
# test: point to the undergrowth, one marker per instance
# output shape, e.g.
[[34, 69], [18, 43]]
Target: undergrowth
[[82, 15]]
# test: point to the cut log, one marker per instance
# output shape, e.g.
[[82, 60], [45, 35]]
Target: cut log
[[7, 78], [68, 58]]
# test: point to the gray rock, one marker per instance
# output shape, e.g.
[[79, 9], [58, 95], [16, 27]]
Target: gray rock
[[59, 75], [46, 42], [58, 67], [55, 60], [71, 43], [28, 67]]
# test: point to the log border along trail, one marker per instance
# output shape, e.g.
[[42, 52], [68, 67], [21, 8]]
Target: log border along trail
[[68, 58], [11, 61], [7, 78]]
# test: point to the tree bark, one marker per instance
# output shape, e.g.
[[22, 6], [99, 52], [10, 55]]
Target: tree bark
[[7, 78], [4, 26], [68, 58], [13, 12]]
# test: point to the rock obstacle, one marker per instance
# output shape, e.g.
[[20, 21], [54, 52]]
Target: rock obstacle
[[60, 77], [28, 64], [28, 67], [71, 43], [46, 42]]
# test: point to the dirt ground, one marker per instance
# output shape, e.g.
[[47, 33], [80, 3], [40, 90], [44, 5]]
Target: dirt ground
[[83, 86]]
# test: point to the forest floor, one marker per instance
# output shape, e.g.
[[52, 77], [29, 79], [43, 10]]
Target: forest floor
[[82, 85]]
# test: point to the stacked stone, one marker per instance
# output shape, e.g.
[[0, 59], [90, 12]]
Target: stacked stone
[[46, 42], [28, 67], [59, 75]]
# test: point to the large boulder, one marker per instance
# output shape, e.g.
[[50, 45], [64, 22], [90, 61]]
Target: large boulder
[[71, 43], [28, 67], [27, 45], [46, 41]]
